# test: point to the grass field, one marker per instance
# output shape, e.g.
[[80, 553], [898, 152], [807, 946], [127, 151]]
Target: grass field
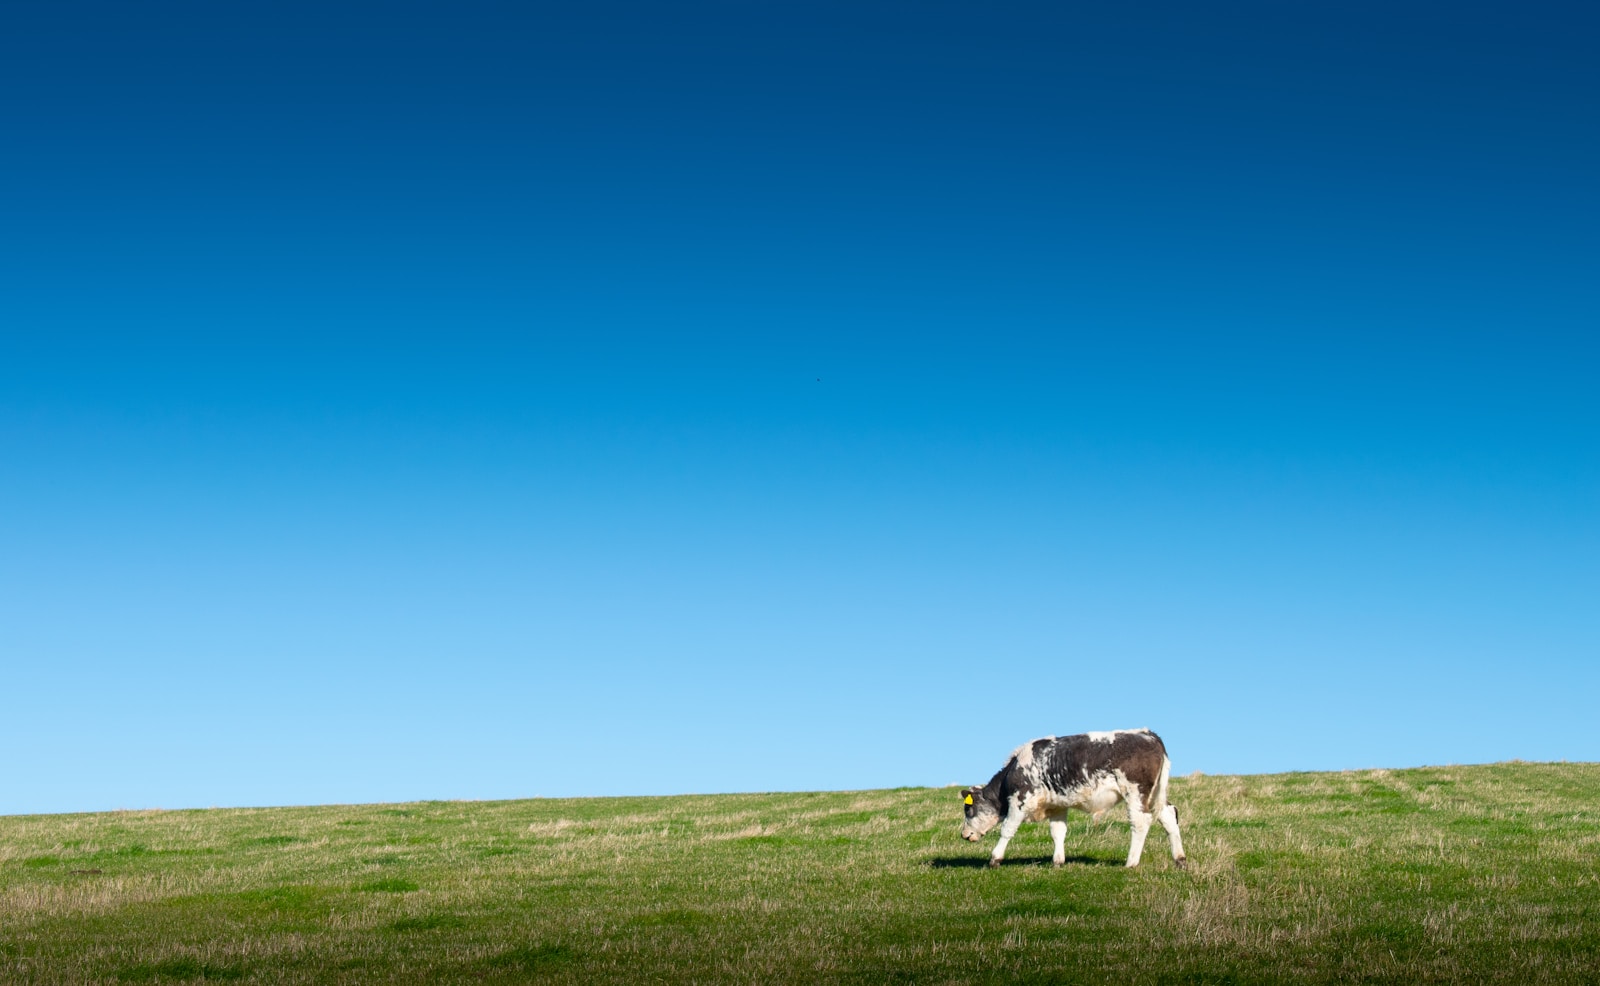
[[1451, 874]]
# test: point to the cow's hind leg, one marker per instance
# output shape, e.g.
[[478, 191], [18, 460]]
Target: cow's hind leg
[[1058, 835], [1140, 820], [1169, 821]]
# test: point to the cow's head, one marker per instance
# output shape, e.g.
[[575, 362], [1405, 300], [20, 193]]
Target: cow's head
[[981, 813]]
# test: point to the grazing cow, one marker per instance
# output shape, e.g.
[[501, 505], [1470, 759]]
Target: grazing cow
[[1045, 778]]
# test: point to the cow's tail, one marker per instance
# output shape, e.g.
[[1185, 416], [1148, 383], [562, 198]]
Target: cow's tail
[[1158, 797]]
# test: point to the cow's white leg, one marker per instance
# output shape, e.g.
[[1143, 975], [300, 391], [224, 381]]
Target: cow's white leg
[[1058, 835], [1169, 821], [1008, 831], [1140, 820]]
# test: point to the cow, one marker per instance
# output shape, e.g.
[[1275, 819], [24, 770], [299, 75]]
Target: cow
[[1045, 778]]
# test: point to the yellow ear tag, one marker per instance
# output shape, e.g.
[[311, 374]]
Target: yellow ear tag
[[967, 800]]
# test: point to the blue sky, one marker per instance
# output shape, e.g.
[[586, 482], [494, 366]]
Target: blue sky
[[491, 400]]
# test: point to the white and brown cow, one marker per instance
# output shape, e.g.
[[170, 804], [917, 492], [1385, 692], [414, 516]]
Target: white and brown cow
[[1091, 772]]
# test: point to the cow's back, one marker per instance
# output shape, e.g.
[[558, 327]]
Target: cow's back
[[1070, 762]]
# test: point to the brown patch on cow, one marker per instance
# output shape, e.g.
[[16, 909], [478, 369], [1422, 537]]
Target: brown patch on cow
[[1143, 768]]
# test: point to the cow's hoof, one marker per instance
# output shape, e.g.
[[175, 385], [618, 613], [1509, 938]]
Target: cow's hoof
[[1182, 862], [1058, 863], [993, 863]]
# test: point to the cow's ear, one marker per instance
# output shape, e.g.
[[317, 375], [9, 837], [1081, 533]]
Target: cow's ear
[[966, 797]]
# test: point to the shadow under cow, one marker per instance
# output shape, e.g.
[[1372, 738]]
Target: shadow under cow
[[982, 862]]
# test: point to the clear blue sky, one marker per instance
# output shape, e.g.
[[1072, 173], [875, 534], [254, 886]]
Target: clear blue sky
[[483, 400]]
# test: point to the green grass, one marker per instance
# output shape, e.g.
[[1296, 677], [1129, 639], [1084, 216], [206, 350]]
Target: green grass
[[1450, 874]]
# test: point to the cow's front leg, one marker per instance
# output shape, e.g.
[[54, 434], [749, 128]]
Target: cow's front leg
[[1058, 835], [1008, 831]]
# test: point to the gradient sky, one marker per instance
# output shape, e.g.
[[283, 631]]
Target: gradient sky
[[485, 400]]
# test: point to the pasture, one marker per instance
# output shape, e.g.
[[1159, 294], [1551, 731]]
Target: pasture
[[1448, 874]]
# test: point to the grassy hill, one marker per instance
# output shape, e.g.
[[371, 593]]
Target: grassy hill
[[1451, 874]]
